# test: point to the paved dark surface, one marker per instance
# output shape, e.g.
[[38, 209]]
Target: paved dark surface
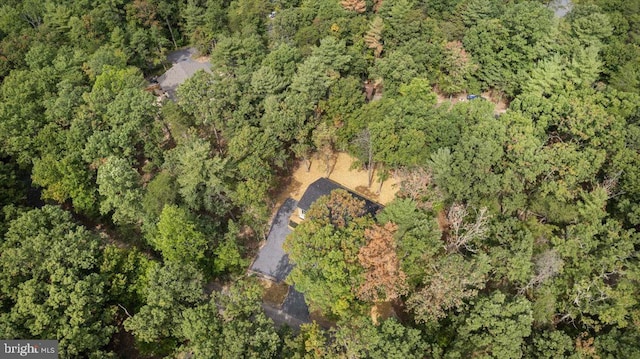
[[293, 312], [272, 260], [295, 306], [281, 318]]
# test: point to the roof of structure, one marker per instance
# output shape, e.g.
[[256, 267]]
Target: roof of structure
[[325, 186]]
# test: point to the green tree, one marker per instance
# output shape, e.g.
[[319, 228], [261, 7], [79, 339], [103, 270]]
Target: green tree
[[325, 250], [51, 286], [170, 290], [21, 113], [332, 53], [589, 25], [121, 117], [283, 59], [240, 330], [585, 290], [178, 237], [248, 15], [203, 22], [418, 238], [495, 328], [470, 172], [311, 79], [125, 270], [310, 342], [389, 339], [506, 47], [159, 192], [265, 81], [119, 185], [552, 344], [456, 69], [200, 176], [237, 54], [617, 343], [229, 252], [395, 69]]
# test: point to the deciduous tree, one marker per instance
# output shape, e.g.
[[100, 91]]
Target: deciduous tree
[[449, 281], [178, 237], [496, 326], [325, 249], [383, 278], [119, 185], [50, 284], [170, 290]]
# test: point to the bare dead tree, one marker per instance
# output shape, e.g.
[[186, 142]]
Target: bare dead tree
[[125, 310], [547, 265], [461, 233], [363, 142], [611, 183], [302, 149], [324, 138]]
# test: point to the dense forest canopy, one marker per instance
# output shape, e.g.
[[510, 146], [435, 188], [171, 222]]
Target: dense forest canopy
[[128, 222]]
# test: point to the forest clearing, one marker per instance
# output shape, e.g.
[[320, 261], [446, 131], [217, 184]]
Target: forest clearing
[[342, 171]]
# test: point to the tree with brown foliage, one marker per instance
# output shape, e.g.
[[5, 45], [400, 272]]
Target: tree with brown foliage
[[383, 278], [358, 6], [373, 37], [144, 11], [376, 5], [417, 184]]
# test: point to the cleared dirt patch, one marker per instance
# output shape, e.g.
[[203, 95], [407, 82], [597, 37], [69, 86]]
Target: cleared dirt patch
[[202, 59], [500, 103], [274, 293], [498, 100], [381, 311], [353, 179]]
